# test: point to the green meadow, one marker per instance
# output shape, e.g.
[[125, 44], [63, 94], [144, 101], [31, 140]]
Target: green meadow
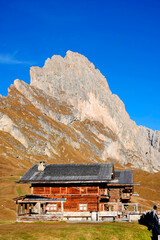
[[73, 231]]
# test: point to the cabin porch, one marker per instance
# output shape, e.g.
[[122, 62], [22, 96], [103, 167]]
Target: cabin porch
[[37, 208]]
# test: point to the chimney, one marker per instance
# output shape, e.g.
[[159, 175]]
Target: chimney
[[41, 166]]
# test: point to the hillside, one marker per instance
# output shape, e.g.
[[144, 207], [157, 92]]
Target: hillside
[[69, 115], [149, 193]]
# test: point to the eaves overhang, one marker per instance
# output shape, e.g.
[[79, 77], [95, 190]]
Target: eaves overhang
[[123, 184], [65, 181]]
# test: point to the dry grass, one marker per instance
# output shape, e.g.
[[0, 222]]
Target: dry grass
[[8, 191], [12, 168], [148, 190], [15, 161]]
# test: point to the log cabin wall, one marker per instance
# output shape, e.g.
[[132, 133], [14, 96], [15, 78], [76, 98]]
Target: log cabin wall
[[84, 198], [114, 194], [78, 199]]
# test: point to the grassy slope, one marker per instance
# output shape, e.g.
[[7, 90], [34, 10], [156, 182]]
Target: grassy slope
[[15, 161], [57, 231], [149, 190], [70, 231]]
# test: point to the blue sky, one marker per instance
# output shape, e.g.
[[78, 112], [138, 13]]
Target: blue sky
[[121, 38]]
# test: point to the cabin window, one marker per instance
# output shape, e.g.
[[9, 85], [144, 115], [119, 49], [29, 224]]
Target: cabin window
[[53, 207], [83, 207], [104, 192]]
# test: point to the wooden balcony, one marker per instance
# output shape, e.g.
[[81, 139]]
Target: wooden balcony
[[104, 198], [125, 196], [104, 195]]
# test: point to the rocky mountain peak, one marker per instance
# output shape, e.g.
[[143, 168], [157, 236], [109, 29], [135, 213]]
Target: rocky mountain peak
[[73, 74], [68, 114]]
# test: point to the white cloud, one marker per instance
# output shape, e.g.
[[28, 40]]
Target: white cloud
[[12, 59]]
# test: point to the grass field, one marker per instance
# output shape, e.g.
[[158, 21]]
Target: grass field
[[73, 231], [149, 191]]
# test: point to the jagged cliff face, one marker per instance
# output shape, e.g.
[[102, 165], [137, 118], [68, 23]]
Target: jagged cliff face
[[68, 114]]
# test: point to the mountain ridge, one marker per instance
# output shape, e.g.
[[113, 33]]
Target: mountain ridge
[[68, 114]]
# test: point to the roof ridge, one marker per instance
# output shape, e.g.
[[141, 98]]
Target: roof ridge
[[68, 164]]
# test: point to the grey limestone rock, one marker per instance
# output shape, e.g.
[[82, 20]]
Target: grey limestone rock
[[75, 112]]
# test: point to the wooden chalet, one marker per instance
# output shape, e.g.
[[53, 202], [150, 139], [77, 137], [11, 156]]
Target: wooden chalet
[[92, 192]]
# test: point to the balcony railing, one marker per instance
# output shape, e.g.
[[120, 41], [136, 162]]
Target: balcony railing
[[126, 196], [104, 196]]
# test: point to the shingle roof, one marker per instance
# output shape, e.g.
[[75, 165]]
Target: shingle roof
[[69, 173], [124, 176]]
